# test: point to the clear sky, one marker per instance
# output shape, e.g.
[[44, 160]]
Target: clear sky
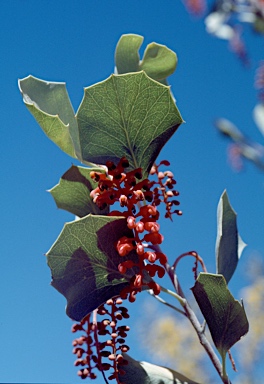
[[75, 42]]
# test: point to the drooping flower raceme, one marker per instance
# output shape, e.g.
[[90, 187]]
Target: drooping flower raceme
[[103, 355], [137, 200]]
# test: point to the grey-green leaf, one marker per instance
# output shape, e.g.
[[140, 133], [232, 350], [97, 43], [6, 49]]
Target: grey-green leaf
[[229, 244], [126, 115], [50, 105], [73, 192], [158, 61], [146, 373], [126, 54], [225, 316], [84, 263]]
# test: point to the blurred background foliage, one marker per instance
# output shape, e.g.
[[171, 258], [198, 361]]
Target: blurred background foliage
[[230, 20]]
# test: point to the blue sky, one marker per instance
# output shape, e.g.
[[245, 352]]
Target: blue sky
[[75, 42]]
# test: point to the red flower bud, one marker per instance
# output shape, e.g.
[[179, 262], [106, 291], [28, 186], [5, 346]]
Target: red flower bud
[[151, 256], [139, 195], [140, 249], [162, 258], [140, 227], [169, 174], [124, 162], [123, 200], [95, 192], [132, 297], [152, 226], [155, 287], [124, 246], [151, 269], [122, 269], [124, 249], [161, 271], [131, 222], [165, 162], [138, 281], [154, 238], [110, 165], [153, 170]]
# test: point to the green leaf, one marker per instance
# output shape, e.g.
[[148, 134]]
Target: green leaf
[[146, 373], [50, 105], [158, 61], [229, 244], [225, 316], [126, 115], [84, 263], [126, 54], [73, 192]]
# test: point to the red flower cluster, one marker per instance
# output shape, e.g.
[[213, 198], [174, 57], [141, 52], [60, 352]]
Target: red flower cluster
[[86, 342], [111, 348], [147, 268], [117, 186], [164, 191], [139, 204], [129, 190]]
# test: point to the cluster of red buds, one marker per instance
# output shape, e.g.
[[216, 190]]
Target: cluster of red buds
[[146, 235], [131, 191], [164, 190], [118, 186], [138, 199], [103, 355]]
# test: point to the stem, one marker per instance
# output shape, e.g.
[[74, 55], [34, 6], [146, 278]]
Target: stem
[[204, 326], [232, 360], [175, 295], [224, 374], [165, 302], [199, 329], [205, 343], [193, 254], [175, 281], [97, 344]]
